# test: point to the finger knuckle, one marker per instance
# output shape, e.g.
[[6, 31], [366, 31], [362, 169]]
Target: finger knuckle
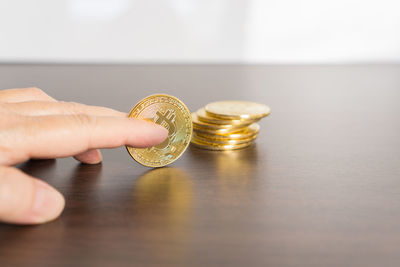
[[73, 107], [9, 125], [84, 120]]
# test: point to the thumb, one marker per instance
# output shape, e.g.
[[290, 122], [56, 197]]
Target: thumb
[[27, 200]]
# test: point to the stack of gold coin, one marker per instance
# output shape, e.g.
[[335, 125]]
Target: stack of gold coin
[[227, 125]]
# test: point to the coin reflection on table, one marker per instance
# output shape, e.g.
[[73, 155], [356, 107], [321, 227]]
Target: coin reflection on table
[[234, 172], [162, 200], [164, 196]]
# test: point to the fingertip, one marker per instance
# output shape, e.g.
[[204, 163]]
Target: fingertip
[[92, 156], [161, 133], [47, 204], [150, 134], [27, 200]]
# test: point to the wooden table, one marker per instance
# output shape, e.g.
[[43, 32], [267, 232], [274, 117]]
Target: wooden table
[[321, 187]]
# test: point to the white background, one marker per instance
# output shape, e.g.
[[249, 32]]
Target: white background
[[203, 31]]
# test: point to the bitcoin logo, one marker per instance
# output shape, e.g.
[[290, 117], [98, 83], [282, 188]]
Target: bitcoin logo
[[172, 114], [168, 121]]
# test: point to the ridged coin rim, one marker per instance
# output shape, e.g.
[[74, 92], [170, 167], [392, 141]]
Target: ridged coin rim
[[236, 135], [214, 147], [204, 117]]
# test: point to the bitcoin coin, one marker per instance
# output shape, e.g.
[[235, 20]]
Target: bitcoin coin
[[249, 132], [202, 116], [214, 128], [216, 131], [200, 138], [170, 112], [237, 110], [219, 147]]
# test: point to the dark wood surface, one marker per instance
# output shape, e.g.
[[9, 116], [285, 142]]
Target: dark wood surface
[[321, 187]]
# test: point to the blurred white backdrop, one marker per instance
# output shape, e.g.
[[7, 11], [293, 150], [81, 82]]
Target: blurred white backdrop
[[203, 31]]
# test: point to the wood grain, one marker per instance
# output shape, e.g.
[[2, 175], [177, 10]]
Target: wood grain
[[321, 187]]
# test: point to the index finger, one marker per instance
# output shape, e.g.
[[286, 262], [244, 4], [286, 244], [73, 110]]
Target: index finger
[[16, 95], [67, 135]]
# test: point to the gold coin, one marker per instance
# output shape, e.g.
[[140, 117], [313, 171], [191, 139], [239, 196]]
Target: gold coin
[[219, 147], [202, 116], [237, 110], [170, 112], [222, 141], [217, 131], [214, 128], [248, 132]]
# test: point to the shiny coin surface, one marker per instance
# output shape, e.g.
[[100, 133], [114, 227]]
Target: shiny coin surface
[[200, 138], [170, 112], [237, 110], [214, 128], [202, 116], [219, 147], [249, 132]]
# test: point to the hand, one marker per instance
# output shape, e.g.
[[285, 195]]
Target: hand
[[34, 125]]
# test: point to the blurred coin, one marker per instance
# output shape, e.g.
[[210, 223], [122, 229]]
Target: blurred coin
[[222, 141], [248, 132], [237, 110], [214, 128], [171, 113], [219, 147], [202, 116]]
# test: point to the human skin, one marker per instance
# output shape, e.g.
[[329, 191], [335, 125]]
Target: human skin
[[34, 125]]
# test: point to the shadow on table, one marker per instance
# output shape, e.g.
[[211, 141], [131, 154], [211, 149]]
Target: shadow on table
[[82, 195], [39, 168]]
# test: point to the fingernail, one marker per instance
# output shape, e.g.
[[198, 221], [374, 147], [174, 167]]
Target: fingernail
[[48, 203]]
